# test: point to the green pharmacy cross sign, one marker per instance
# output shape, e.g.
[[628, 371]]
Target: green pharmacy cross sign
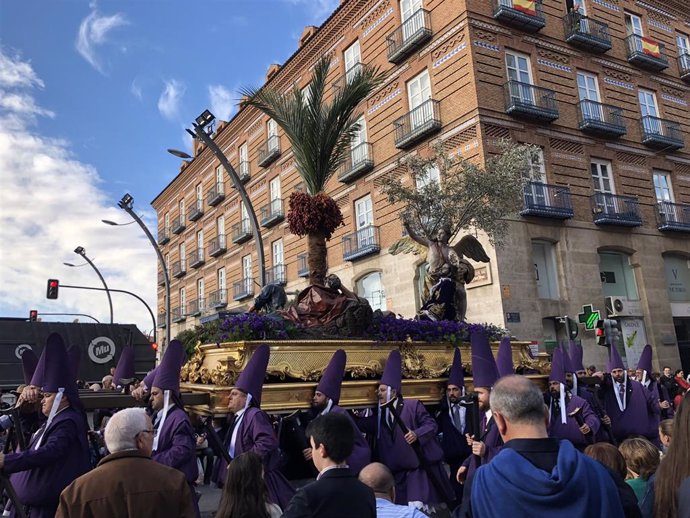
[[589, 317]]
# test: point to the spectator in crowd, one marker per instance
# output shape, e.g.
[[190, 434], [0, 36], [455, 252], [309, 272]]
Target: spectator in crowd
[[245, 494], [127, 483], [682, 387], [668, 380], [591, 370], [672, 484], [665, 433], [642, 460], [609, 456], [536, 474], [380, 479], [95, 387], [336, 493], [107, 382], [204, 453]]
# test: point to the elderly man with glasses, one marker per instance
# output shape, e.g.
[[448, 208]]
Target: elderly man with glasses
[[127, 483]]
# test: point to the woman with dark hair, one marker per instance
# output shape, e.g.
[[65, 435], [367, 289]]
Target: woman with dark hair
[[244, 493], [665, 434], [672, 486], [608, 455]]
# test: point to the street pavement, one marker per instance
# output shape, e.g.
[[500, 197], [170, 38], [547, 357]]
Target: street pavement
[[210, 498]]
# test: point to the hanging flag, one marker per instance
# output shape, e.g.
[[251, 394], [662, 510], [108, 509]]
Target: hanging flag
[[526, 6], [650, 47]]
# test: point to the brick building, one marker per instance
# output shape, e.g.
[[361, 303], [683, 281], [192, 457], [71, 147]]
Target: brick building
[[602, 87]]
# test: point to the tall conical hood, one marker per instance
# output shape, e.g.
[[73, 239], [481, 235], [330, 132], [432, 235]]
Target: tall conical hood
[[645, 362], [615, 360], [504, 358], [558, 366], [457, 374], [332, 377], [484, 369], [29, 363], [57, 371], [168, 372], [125, 366], [392, 372], [148, 379], [39, 372], [251, 379], [568, 363], [74, 356], [576, 356]]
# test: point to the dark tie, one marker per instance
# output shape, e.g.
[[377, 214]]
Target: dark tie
[[621, 391], [484, 423], [455, 412]]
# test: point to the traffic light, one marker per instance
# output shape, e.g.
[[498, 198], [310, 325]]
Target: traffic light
[[154, 346], [601, 333], [33, 315], [52, 290]]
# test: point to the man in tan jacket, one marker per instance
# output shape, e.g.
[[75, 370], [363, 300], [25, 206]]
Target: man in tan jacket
[[127, 483]]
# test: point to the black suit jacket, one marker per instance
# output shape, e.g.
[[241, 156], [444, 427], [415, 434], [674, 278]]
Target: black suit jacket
[[337, 494]]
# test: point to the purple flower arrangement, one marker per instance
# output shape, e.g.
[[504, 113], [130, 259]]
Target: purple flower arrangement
[[254, 326], [392, 329]]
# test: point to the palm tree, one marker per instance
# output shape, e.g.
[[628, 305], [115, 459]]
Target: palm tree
[[320, 134]]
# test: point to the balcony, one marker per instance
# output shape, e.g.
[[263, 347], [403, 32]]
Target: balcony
[[164, 237], [272, 213], [358, 162], [276, 275], [521, 14], [218, 299], [196, 211], [417, 124], [161, 279], [611, 209], [587, 33], [196, 258], [195, 307], [411, 35], [530, 102], [243, 289], [600, 119], [684, 67], [161, 320], [661, 134], [646, 53], [351, 72], [178, 225], [217, 246], [179, 269], [269, 151], [243, 171], [178, 314], [241, 232], [216, 194], [547, 201], [673, 217], [362, 243], [302, 266]]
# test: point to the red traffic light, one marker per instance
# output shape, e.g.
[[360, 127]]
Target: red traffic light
[[52, 289], [33, 315], [154, 346]]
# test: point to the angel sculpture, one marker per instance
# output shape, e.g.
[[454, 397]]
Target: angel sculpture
[[444, 296]]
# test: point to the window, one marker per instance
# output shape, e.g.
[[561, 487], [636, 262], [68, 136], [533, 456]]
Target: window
[[537, 194], [407, 10], [588, 90], [545, 271], [358, 151], [220, 226], [306, 94], [199, 196], [519, 71], [200, 242], [167, 262], [418, 92], [272, 129], [277, 247], [633, 24], [221, 279], [200, 293], [219, 177], [617, 275], [181, 207], [662, 186], [683, 43], [364, 219], [370, 287], [431, 175], [649, 112], [244, 221], [247, 271], [352, 60], [274, 189], [167, 223], [183, 301], [601, 177]]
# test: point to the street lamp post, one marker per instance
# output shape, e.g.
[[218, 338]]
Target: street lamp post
[[80, 251], [201, 122], [127, 204]]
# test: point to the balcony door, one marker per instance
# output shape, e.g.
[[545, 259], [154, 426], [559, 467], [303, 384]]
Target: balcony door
[[183, 253], [220, 230], [418, 92], [181, 217], [183, 303], [200, 244], [633, 25], [407, 9], [167, 224], [649, 112], [244, 160], [200, 294], [352, 59], [519, 70], [536, 192], [358, 151], [683, 52], [588, 90], [272, 128], [278, 260], [244, 221], [364, 214], [602, 182], [247, 272], [219, 179], [274, 189], [664, 196], [199, 197], [222, 286]]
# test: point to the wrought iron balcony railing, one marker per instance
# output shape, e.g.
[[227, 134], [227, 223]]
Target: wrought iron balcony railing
[[196, 211], [661, 133], [164, 237], [547, 201], [673, 217], [269, 151], [272, 213], [243, 171], [195, 307], [161, 320], [530, 102], [241, 231], [216, 194], [600, 119], [302, 266], [684, 66], [179, 269], [196, 258], [417, 124], [411, 35], [243, 289], [587, 33], [521, 14], [350, 73], [611, 209], [276, 275], [178, 225], [218, 299], [358, 162], [646, 53], [178, 314], [362, 243], [217, 246]]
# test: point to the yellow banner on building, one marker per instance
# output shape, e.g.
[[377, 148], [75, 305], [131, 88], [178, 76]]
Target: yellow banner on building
[[526, 6], [651, 47]]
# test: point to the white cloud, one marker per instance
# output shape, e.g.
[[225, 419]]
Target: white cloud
[[136, 90], [319, 9], [50, 203], [223, 103], [15, 73], [93, 32], [22, 104], [169, 100]]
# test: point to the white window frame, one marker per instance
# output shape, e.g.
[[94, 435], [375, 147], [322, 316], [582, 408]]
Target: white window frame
[[166, 223], [200, 293], [364, 219], [244, 159], [517, 65], [422, 84], [352, 57], [430, 174], [375, 301], [247, 272], [222, 279], [599, 178], [663, 188], [588, 90], [182, 250], [183, 301], [358, 152], [200, 242], [408, 8], [633, 24]]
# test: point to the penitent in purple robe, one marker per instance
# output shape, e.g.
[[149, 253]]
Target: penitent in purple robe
[[571, 430], [40, 475], [492, 443], [361, 454], [256, 434], [641, 414], [176, 444]]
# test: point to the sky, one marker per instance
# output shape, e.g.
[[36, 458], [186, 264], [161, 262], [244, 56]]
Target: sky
[[91, 96]]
